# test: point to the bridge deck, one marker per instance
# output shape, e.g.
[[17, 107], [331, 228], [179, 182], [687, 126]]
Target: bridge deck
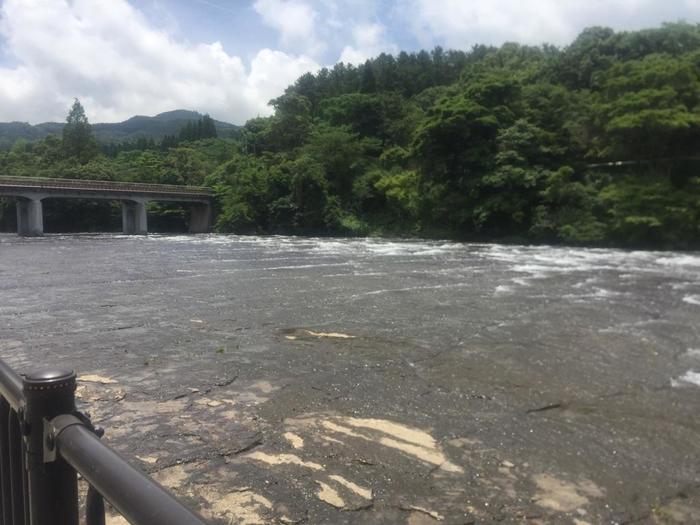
[[134, 196], [97, 186]]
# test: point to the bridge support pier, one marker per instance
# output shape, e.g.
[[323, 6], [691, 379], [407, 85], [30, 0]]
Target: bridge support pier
[[134, 218], [30, 217], [200, 218]]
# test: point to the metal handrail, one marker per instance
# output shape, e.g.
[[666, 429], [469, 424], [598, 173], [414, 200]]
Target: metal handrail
[[45, 442], [11, 387], [136, 496]]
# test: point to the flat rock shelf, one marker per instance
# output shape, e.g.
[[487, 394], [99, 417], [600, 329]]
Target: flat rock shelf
[[322, 380]]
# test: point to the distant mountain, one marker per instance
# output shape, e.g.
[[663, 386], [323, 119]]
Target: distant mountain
[[168, 123]]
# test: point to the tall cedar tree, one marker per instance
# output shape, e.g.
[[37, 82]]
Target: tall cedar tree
[[78, 140]]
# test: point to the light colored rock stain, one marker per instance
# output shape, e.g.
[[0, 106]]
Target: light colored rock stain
[[294, 439], [264, 386], [341, 429], [242, 508], [329, 335], [231, 415], [330, 495], [564, 496], [93, 393], [435, 515], [406, 433], [283, 459], [94, 378], [464, 442], [214, 403], [115, 519], [332, 440], [155, 407], [171, 477], [151, 460], [360, 491], [428, 455], [409, 440]]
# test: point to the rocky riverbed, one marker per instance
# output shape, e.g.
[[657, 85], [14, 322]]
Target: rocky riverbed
[[297, 380]]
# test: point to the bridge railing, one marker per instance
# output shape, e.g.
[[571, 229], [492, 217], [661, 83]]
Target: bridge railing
[[45, 442], [79, 184]]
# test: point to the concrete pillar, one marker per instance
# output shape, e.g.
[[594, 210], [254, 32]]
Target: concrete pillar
[[30, 217], [200, 218], [134, 218]]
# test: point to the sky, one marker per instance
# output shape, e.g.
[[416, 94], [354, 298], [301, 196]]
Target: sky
[[229, 58]]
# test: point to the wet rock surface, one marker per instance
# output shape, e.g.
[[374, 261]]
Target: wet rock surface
[[285, 380]]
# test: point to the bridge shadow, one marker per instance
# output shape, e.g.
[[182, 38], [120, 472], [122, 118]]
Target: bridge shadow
[[97, 216], [135, 200]]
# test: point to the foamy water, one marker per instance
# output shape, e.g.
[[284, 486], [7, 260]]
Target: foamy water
[[594, 275], [691, 377], [692, 299], [656, 288], [693, 353]]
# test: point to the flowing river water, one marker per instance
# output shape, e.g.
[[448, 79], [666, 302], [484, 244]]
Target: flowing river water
[[324, 380]]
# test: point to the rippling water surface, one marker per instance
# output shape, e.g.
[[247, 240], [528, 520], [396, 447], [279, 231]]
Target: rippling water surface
[[601, 346], [643, 293]]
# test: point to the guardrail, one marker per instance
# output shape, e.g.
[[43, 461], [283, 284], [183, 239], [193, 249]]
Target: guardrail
[[97, 185], [45, 442]]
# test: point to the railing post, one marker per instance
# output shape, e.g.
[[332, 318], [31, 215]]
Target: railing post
[[94, 507], [5, 472], [53, 487]]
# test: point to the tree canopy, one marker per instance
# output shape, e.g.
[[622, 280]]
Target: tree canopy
[[78, 141], [595, 143]]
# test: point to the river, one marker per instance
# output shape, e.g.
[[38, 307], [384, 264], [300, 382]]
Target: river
[[331, 380]]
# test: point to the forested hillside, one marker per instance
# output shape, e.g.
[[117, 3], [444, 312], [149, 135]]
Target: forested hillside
[[134, 129], [597, 143]]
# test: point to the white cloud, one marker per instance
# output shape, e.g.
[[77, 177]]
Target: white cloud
[[460, 23], [272, 72], [120, 62], [107, 54], [463, 23], [295, 21], [369, 41]]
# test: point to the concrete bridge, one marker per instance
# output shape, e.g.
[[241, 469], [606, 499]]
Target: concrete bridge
[[30, 191]]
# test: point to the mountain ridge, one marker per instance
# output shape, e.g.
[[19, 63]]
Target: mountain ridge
[[135, 127]]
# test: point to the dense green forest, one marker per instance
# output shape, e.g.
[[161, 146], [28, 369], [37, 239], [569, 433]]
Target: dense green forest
[[597, 143]]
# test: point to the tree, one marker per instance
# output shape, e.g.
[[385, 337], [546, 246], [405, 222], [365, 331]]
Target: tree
[[494, 142], [78, 140], [341, 155], [648, 108], [208, 128], [203, 128], [368, 83], [291, 124]]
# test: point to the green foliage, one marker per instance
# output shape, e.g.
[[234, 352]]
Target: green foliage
[[493, 143], [291, 124], [341, 154], [400, 190], [78, 141], [244, 194], [647, 211], [649, 108], [568, 210]]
